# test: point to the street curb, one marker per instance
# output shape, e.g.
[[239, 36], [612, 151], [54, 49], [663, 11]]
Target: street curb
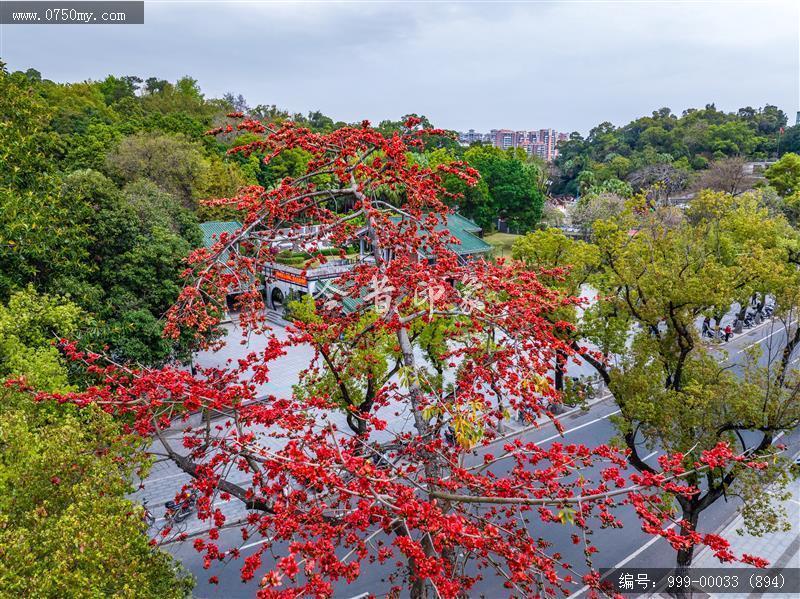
[[730, 520]]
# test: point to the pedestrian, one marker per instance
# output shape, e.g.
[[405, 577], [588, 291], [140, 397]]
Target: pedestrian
[[706, 325], [450, 435], [728, 333]]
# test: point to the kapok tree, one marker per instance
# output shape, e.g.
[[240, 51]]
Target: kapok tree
[[325, 500]]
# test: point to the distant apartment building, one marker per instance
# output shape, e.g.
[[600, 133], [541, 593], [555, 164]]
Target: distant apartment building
[[542, 142], [502, 138], [472, 136]]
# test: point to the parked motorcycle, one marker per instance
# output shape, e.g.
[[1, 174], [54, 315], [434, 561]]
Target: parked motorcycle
[[178, 512], [147, 515]]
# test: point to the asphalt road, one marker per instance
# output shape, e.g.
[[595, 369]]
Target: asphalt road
[[627, 546]]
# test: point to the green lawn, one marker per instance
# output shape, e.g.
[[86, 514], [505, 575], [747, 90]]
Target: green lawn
[[502, 243]]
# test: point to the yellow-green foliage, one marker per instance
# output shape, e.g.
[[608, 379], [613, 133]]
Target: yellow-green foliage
[[66, 528]]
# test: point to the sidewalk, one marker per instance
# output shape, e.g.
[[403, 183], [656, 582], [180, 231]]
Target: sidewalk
[[781, 549]]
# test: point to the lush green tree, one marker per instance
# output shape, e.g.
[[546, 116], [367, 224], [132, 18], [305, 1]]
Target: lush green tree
[[617, 168], [354, 367], [784, 175], [184, 97], [656, 271], [66, 527], [661, 274], [733, 138], [89, 149], [791, 208], [474, 202], [790, 140], [512, 183], [24, 140], [171, 162], [117, 254], [115, 89], [138, 247], [67, 229], [155, 207], [767, 120], [572, 264], [29, 325], [42, 242], [697, 136]]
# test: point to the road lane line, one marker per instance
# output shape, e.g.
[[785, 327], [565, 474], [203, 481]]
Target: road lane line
[[155, 480], [543, 421], [249, 545], [643, 548], [633, 555], [585, 424], [650, 455], [745, 348]]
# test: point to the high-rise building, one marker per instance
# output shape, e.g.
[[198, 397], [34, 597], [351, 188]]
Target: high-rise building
[[471, 137], [542, 142], [503, 138]]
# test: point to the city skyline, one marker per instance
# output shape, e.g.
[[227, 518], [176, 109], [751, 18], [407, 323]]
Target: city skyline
[[536, 142]]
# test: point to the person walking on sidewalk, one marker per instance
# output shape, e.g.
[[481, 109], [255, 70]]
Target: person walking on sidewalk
[[728, 333]]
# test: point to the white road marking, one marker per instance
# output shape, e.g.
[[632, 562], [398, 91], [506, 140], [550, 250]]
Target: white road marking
[[543, 421], [649, 455], [585, 424], [627, 559], [155, 480], [249, 545], [643, 548], [651, 541], [759, 341]]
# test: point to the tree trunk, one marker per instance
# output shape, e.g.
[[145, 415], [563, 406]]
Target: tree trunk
[[684, 559], [559, 372], [433, 465], [786, 357], [419, 588]]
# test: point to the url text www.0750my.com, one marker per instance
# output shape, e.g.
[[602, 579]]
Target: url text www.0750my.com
[[66, 12]]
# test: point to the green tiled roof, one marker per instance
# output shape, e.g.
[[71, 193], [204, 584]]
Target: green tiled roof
[[461, 228], [464, 230], [462, 222], [213, 228], [328, 289]]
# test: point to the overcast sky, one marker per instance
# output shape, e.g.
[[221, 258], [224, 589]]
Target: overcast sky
[[482, 65]]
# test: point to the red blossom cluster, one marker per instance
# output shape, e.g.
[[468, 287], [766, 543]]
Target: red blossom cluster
[[327, 501]]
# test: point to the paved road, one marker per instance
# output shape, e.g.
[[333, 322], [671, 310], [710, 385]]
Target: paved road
[[628, 546]]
